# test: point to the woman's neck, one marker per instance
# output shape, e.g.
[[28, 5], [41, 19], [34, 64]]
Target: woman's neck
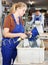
[[16, 15]]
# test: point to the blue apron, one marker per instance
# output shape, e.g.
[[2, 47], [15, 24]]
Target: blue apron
[[8, 48], [37, 18]]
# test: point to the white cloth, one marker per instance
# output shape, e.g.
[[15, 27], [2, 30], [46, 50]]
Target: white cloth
[[26, 43]]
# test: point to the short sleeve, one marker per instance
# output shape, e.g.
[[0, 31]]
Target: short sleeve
[[6, 22]]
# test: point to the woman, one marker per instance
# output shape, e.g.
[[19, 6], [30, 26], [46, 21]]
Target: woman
[[12, 30]]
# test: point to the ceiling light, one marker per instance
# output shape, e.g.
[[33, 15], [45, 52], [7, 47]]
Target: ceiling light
[[31, 2]]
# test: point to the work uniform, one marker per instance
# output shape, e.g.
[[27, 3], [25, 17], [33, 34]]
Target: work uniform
[[9, 45], [35, 32], [39, 17]]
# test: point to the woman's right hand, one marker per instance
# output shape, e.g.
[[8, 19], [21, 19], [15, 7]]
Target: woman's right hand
[[23, 35]]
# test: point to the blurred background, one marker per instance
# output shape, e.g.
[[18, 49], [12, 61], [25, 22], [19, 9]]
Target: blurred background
[[42, 5]]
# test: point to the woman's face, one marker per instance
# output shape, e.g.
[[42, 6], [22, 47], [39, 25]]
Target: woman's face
[[22, 11]]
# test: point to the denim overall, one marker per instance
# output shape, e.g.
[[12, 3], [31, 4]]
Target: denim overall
[[8, 48]]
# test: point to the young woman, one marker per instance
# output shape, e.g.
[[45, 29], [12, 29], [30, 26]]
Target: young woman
[[12, 30]]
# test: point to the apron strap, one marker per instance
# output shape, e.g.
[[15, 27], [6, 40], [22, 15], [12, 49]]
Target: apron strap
[[13, 18]]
